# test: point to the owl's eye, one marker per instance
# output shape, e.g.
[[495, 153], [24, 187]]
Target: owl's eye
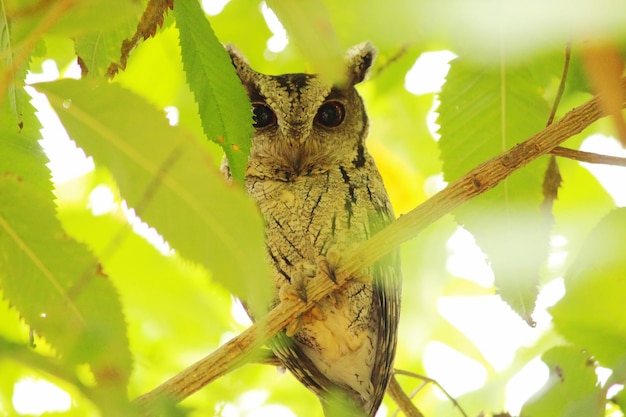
[[330, 114], [263, 115]]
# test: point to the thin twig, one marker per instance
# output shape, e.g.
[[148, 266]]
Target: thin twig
[[434, 382], [561, 89], [552, 179], [401, 399], [417, 389], [589, 157], [484, 177], [391, 60]]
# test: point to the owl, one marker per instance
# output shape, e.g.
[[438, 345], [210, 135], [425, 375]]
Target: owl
[[320, 194]]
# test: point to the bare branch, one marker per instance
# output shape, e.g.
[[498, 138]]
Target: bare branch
[[561, 89], [590, 157], [484, 177], [391, 60], [552, 178], [401, 399], [428, 380]]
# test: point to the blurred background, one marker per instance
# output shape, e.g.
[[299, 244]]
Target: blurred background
[[454, 328]]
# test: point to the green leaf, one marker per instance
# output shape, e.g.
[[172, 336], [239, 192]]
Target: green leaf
[[484, 112], [387, 24], [167, 86], [620, 400], [97, 50], [310, 29], [163, 173], [394, 111], [142, 275], [53, 281], [68, 18], [572, 388], [592, 314], [11, 83], [223, 104], [580, 197], [59, 373], [89, 16], [246, 13]]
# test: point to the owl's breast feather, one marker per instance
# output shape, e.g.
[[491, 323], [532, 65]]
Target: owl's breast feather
[[318, 216]]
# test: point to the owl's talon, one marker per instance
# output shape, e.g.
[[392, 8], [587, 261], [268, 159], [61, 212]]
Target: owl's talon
[[298, 284], [299, 281], [361, 278], [330, 273], [293, 327], [302, 294], [315, 314], [328, 265], [293, 290]]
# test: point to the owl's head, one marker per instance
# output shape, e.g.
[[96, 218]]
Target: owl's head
[[303, 125]]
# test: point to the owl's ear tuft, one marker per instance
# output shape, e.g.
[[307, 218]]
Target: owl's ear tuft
[[359, 61], [244, 71]]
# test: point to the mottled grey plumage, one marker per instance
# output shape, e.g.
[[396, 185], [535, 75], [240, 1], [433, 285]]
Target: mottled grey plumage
[[320, 193]]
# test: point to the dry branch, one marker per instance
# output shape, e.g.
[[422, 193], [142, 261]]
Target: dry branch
[[401, 399], [484, 177], [425, 380], [590, 157]]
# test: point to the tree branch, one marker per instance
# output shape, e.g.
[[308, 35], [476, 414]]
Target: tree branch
[[484, 177], [401, 399], [590, 157], [561, 89], [428, 380]]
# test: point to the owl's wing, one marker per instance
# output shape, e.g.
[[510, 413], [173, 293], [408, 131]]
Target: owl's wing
[[386, 293], [386, 300]]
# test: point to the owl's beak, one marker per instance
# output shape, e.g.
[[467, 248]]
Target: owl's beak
[[295, 159], [294, 153]]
